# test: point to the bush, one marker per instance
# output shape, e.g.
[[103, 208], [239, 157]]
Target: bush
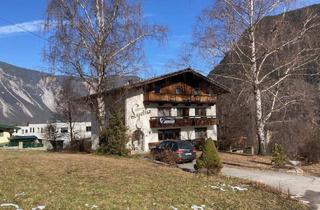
[[278, 156], [80, 145], [166, 156], [310, 150], [209, 159], [113, 140]]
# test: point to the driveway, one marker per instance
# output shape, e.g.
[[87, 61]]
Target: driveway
[[305, 188]]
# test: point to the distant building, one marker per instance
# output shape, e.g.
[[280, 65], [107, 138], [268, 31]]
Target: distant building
[[25, 142], [179, 105], [82, 130], [6, 132]]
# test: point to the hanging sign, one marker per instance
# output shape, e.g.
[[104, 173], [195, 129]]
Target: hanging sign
[[167, 120]]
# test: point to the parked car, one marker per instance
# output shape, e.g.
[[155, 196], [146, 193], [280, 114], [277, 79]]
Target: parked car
[[184, 150]]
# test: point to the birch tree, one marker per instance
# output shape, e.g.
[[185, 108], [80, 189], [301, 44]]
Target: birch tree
[[96, 40], [261, 53]]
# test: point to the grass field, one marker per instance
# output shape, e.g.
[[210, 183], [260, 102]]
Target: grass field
[[78, 181]]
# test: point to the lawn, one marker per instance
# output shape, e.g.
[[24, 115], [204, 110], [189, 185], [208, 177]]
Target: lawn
[[79, 181]]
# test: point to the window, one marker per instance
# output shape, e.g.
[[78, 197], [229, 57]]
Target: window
[[200, 133], [179, 90], [169, 134], [88, 128], [26, 131], [200, 111], [41, 130], [196, 91], [164, 112], [157, 88], [64, 130], [182, 112], [22, 131]]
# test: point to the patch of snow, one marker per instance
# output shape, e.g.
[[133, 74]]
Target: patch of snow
[[20, 194], [91, 206], [237, 188], [299, 198], [295, 162], [195, 207], [217, 188], [10, 205], [39, 208], [223, 187]]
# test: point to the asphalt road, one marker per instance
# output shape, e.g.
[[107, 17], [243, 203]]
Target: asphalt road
[[305, 188]]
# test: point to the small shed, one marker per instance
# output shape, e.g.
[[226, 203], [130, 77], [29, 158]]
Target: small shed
[[25, 141]]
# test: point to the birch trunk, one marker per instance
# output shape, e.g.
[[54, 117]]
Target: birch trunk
[[257, 92], [101, 117], [259, 123]]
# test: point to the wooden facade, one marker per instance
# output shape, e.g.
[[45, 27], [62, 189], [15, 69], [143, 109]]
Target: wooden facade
[[175, 98], [183, 88]]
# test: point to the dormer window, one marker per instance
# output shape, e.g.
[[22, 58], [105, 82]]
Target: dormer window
[[179, 90], [196, 91], [157, 88]]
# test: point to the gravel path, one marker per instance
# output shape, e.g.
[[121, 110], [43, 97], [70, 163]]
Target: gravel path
[[306, 188]]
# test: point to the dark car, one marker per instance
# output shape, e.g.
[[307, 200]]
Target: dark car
[[184, 150]]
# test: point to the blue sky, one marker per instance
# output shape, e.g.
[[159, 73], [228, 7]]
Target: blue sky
[[25, 49]]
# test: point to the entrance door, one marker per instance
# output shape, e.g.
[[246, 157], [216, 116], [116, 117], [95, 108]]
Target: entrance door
[[138, 140]]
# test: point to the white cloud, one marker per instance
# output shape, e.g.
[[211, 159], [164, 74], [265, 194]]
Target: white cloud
[[32, 26]]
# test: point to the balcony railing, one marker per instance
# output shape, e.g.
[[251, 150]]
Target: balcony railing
[[178, 98], [164, 122]]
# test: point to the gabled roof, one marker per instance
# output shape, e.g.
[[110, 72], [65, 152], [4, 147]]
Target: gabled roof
[[222, 89], [7, 127], [187, 70], [24, 138]]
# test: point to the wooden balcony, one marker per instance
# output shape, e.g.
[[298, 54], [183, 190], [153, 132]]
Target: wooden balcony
[[174, 122], [175, 98]]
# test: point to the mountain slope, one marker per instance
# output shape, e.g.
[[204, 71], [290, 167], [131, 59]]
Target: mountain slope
[[28, 96]]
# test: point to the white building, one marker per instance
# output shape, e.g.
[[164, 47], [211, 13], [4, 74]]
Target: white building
[[82, 130], [180, 105]]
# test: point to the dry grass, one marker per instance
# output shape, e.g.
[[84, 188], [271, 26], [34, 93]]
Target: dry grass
[[313, 169], [70, 181], [263, 162], [254, 161]]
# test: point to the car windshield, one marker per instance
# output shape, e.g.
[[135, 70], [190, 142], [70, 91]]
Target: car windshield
[[184, 145]]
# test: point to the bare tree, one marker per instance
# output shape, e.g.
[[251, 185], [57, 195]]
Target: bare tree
[[97, 39], [68, 107], [262, 54], [52, 134]]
